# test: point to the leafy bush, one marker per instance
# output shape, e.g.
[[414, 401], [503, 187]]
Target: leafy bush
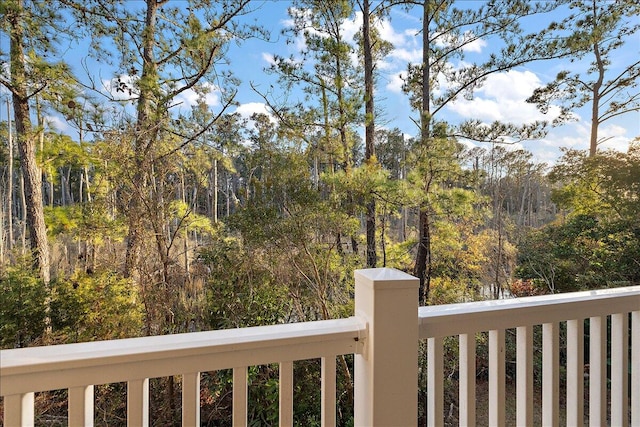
[[95, 307], [22, 306]]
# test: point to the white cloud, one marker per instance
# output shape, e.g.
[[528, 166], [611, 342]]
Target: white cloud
[[121, 88], [248, 109], [615, 137], [503, 98], [513, 84], [407, 55], [189, 97], [268, 58], [350, 27], [475, 46], [61, 126], [395, 83], [388, 33]]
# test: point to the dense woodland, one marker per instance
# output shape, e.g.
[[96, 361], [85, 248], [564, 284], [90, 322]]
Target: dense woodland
[[146, 222]]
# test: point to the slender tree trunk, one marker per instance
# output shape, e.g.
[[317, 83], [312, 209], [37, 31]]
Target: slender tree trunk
[[27, 149], [215, 191], [23, 200], [595, 111], [595, 100], [369, 152], [144, 139], [422, 267], [10, 192]]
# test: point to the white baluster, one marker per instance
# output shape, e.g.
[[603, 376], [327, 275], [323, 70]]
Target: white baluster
[[496, 378], [467, 390], [619, 370], [550, 374], [435, 377], [81, 406], [18, 410], [138, 403], [598, 371], [191, 399], [328, 393], [524, 376], [575, 372], [240, 397], [286, 394]]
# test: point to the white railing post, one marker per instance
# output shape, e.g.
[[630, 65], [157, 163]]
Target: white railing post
[[191, 399], [240, 396], [619, 370], [138, 403], [496, 378], [386, 373], [328, 392], [575, 372], [81, 406], [285, 397], [18, 410], [550, 374], [524, 375], [598, 371], [467, 388]]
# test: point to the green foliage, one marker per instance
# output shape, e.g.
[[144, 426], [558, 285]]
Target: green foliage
[[22, 306], [240, 291], [597, 244], [87, 221], [581, 253], [103, 306]]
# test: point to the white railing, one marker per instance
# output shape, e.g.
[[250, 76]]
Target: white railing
[[78, 367], [383, 336], [522, 314]]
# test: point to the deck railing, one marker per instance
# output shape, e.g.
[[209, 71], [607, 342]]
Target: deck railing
[[620, 305], [383, 336]]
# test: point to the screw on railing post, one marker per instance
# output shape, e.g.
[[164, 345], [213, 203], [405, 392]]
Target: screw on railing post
[[386, 373]]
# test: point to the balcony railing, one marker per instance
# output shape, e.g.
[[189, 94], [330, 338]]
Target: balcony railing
[[383, 336]]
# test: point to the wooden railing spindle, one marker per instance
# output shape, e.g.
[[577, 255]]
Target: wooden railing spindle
[[575, 372], [328, 392], [240, 397], [619, 369], [138, 403], [285, 394], [496, 378], [467, 389], [435, 379], [81, 406], [191, 399], [524, 376], [598, 371], [550, 375]]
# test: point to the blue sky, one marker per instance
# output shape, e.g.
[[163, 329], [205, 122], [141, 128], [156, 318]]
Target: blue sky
[[501, 98]]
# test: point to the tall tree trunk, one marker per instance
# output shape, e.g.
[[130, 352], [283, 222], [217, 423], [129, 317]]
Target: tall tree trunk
[[369, 152], [144, 139], [23, 213], [215, 191], [27, 148], [422, 267], [10, 192]]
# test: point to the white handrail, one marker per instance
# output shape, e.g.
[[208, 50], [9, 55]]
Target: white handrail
[[462, 318], [48, 368]]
